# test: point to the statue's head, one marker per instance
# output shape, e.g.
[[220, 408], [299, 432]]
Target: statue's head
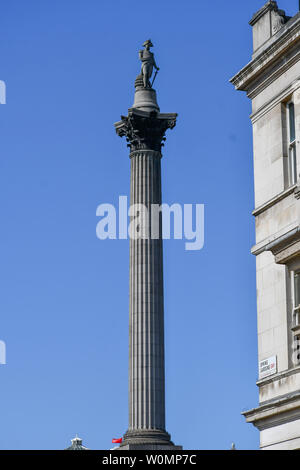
[[147, 44]]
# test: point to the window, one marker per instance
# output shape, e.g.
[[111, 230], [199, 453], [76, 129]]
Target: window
[[296, 318], [297, 289], [292, 162], [296, 301]]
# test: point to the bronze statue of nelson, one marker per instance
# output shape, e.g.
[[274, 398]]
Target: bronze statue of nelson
[[148, 62]]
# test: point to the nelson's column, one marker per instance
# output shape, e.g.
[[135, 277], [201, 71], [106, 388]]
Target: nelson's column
[[144, 129]]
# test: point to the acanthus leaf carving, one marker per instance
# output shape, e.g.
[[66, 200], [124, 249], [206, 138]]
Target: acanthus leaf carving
[[145, 131]]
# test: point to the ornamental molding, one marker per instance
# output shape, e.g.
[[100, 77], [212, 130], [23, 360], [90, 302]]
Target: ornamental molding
[[247, 75], [287, 241], [287, 254], [279, 243], [270, 78], [279, 98], [145, 130], [278, 411], [279, 376], [271, 202], [145, 152], [269, 6], [279, 21]]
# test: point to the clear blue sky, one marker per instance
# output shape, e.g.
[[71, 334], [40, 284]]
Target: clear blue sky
[[69, 67]]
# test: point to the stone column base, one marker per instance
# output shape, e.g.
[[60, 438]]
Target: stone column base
[[148, 439]]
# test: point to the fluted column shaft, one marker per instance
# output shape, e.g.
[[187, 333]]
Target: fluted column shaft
[[146, 320], [145, 133]]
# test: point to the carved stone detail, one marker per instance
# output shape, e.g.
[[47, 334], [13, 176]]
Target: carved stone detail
[[278, 21], [145, 131], [288, 253]]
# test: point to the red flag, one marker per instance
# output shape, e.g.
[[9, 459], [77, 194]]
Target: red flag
[[117, 441]]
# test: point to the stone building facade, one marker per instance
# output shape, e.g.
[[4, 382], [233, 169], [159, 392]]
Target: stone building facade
[[272, 82]]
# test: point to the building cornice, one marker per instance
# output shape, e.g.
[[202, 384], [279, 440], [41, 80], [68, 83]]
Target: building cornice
[[279, 243], [279, 98], [277, 411], [269, 6], [285, 244], [248, 74], [272, 77]]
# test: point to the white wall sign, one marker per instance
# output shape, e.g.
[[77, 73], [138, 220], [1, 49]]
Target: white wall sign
[[268, 367]]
